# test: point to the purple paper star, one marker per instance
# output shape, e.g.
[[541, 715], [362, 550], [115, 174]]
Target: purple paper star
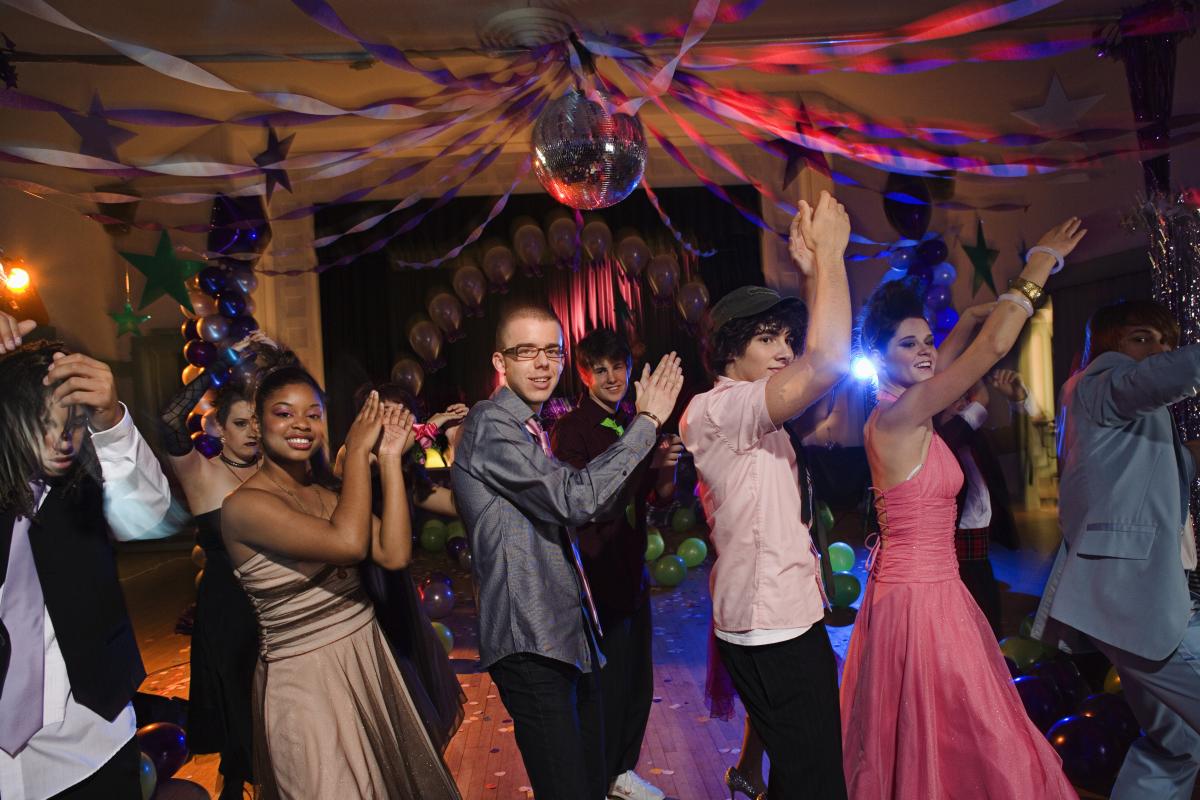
[[798, 156], [275, 153], [97, 138]]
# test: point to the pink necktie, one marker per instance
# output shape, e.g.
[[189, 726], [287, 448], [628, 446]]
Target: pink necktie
[[23, 611], [539, 433]]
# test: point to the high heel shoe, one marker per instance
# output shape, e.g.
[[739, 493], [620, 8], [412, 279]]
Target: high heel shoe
[[739, 783]]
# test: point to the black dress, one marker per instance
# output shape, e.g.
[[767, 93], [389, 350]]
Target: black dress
[[224, 654]]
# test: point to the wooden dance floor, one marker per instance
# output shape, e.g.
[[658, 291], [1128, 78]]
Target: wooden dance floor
[[685, 751]]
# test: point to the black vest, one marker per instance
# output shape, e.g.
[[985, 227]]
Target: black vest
[[78, 572]]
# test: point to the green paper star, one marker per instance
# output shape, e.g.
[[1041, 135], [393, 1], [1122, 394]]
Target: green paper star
[[128, 320], [165, 273], [982, 258]]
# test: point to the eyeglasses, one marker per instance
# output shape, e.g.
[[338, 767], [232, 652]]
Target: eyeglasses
[[527, 352]]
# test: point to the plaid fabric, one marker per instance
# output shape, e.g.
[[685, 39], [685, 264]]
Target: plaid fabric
[[971, 544]]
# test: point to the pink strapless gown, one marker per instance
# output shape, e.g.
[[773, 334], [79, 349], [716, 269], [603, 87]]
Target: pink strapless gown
[[928, 707]]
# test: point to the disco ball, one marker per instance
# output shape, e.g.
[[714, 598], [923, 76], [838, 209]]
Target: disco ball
[[586, 157]]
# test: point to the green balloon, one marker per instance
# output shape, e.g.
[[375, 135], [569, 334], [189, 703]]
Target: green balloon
[[654, 544], [1027, 625], [693, 551], [1022, 650], [433, 536], [433, 524], [824, 517], [841, 557], [631, 515], [683, 520], [846, 589], [670, 570], [148, 776], [456, 530], [445, 636]]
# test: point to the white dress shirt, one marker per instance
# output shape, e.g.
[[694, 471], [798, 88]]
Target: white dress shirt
[[977, 507], [75, 741]]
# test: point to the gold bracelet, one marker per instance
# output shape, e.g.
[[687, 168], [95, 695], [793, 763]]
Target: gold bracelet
[[1031, 290], [657, 422]]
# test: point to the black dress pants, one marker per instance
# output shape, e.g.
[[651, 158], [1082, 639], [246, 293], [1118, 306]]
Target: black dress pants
[[790, 691], [558, 722], [627, 686], [119, 779]]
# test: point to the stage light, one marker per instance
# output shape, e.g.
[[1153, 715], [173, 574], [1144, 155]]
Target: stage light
[[17, 280], [862, 369]]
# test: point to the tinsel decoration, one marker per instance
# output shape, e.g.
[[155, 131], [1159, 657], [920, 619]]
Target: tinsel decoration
[[1173, 228]]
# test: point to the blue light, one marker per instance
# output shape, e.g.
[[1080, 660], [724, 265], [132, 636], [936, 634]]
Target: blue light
[[862, 369]]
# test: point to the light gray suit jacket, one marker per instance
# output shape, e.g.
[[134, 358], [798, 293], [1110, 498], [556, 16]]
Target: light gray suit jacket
[[1123, 501], [515, 502]]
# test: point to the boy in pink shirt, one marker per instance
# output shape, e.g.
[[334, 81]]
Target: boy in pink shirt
[[768, 601]]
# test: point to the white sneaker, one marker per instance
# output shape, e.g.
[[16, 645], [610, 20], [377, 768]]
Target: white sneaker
[[631, 786]]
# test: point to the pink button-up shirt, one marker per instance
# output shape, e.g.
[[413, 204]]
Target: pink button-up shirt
[[765, 576]]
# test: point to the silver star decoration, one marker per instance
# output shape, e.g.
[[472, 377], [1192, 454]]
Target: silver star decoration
[[1057, 113]]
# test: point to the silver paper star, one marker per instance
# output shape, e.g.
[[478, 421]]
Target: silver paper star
[[1057, 113]]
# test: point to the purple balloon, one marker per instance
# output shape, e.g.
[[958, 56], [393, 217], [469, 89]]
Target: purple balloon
[[199, 353], [207, 446], [212, 280], [1062, 673], [166, 745], [231, 303], [1114, 713], [932, 252], [903, 259], [1013, 669], [195, 422], [241, 327], [1090, 753], [189, 328], [466, 560], [937, 298], [436, 577], [178, 789], [1041, 700], [946, 319], [437, 600], [219, 375], [245, 280], [456, 546], [944, 274]]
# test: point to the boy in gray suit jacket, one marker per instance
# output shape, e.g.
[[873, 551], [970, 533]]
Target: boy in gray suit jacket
[[1121, 575]]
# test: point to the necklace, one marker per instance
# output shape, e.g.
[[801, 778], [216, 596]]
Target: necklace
[[239, 464], [295, 498]]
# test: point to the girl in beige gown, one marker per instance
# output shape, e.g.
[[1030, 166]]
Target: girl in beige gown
[[333, 718]]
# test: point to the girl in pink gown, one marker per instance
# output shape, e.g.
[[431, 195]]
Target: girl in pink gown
[[928, 707]]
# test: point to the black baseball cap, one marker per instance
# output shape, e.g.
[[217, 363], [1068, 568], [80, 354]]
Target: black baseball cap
[[745, 301]]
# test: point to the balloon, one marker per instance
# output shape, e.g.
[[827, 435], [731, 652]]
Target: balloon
[[1013, 671], [231, 303], [693, 551], [893, 275], [241, 327], [455, 546], [437, 577], [251, 306], [663, 275], [692, 300], [560, 233], [199, 577], [211, 280], [465, 559], [1112, 681], [932, 252], [245, 280], [825, 516], [900, 260], [456, 530], [437, 600], [631, 515], [207, 446], [470, 284], [195, 420], [1041, 700], [445, 636], [219, 375], [433, 536], [529, 243], [1091, 755], [944, 274], [178, 789], [670, 570], [1063, 675], [147, 775], [408, 373], [499, 265], [633, 254], [199, 353], [189, 330], [1027, 625], [946, 319], [202, 304], [1022, 651], [447, 312], [190, 373], [846, 589], [213, 328], [841, 557], [426, 341], [937, 298], [596, 239], [654, 544], [199, 557], [1114, 713], [910, 219], [684, 519], [166, 744]]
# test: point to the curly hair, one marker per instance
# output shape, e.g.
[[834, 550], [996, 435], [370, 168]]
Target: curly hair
[[729, 342], [888, 306], [24, 415]]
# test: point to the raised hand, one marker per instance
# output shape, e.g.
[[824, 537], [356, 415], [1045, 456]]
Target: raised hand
[[1063, 238], [798, 247], [12, 331], [667, 453], [1008, 383], [658, 391], [85, 382], [453, 414], [397, 424], [364, 431], [828, 230]]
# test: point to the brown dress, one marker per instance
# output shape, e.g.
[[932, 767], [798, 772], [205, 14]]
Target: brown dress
[[332, 715]]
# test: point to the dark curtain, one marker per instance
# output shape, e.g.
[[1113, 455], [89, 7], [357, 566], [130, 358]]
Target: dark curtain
[[367, 306]]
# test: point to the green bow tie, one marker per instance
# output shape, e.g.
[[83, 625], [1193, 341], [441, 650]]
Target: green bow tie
[[616, 426]]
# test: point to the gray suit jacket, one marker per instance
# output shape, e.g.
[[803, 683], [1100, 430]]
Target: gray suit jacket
[[1123, 501], [515, 502]]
